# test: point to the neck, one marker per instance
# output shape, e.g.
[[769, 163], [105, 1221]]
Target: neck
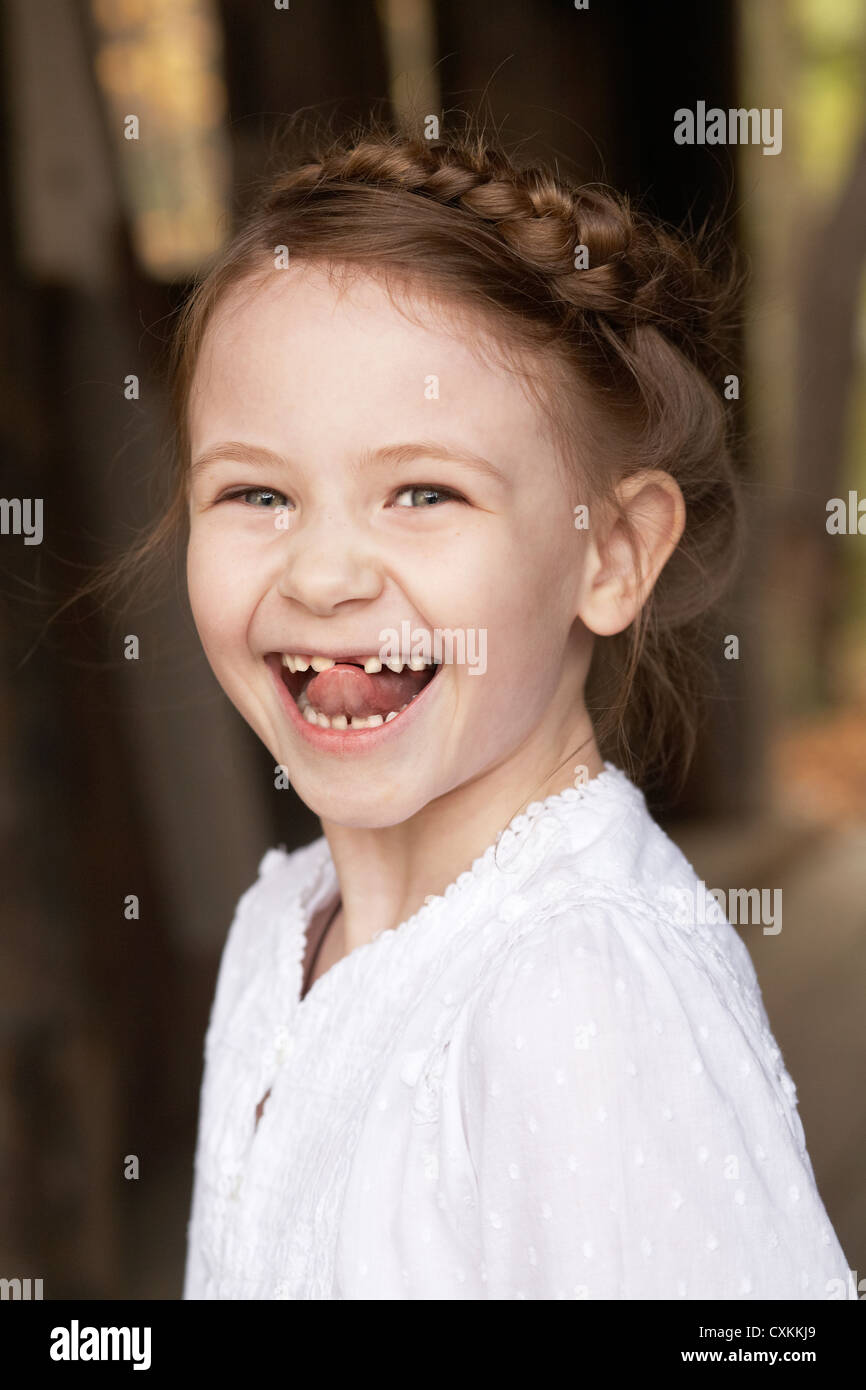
[[385, 873]]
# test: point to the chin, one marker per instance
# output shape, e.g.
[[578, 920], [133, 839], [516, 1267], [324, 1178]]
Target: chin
[[360, 808]]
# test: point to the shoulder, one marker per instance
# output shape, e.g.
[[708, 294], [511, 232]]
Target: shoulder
[[625, 1123], [604, 937], [577, 966], [266, 917], [284, 879], [599, 1040], [607, 1000]]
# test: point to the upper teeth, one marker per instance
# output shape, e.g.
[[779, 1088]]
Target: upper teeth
[[372, 664]]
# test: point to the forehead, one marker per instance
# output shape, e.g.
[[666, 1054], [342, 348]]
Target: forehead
[[305, 349]]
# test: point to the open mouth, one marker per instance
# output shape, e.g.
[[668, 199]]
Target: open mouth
[[356, 692]]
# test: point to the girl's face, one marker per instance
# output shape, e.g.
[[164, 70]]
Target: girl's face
[[354, 476]]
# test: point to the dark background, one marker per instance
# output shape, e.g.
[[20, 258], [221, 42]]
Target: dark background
[[137, 777]]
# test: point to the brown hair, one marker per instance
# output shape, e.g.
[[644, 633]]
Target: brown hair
[[632, 347]]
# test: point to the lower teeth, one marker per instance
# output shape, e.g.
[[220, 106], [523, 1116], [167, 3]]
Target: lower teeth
[[340, 721]]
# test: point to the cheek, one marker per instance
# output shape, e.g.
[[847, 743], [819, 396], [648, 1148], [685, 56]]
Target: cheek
[[516, 653], [525, 595], [220, 601]]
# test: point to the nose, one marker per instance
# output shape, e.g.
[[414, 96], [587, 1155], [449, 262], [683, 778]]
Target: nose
[[329, 561]]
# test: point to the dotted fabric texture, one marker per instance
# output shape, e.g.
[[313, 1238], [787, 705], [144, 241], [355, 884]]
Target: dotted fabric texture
[[542, 1085]]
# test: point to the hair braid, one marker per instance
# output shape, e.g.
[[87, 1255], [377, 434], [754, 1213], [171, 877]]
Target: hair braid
[[637, 273]]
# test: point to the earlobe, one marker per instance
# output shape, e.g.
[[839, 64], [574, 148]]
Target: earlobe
[[629, 549]]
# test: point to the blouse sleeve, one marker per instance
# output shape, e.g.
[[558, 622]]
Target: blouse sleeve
[[629, 1136]]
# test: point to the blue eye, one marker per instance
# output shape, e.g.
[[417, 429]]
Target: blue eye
[[431, 495], [270, 499]]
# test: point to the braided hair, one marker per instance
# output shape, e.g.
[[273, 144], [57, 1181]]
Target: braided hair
[[636, 272], [618, 324]]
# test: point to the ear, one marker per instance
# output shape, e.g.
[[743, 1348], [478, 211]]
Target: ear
[[619, 577]]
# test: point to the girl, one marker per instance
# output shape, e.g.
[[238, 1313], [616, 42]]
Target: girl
[[435, 404]]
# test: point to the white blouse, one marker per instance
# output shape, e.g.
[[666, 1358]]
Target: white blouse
[[542, 1085]]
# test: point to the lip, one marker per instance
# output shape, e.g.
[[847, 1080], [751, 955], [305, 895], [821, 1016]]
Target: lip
[[341, 741]]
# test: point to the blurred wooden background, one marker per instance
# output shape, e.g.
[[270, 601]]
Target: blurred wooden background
[[138, 778]]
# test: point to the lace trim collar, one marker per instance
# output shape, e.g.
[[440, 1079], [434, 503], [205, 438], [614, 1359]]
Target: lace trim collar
[[319, 883]]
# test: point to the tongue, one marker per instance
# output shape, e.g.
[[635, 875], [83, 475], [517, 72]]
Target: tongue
[[352, 691]]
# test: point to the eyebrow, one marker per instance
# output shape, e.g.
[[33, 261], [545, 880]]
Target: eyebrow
[[391, 455]]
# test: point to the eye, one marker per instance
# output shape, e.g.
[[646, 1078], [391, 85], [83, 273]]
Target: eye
[[431, 496], [269, 498]]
